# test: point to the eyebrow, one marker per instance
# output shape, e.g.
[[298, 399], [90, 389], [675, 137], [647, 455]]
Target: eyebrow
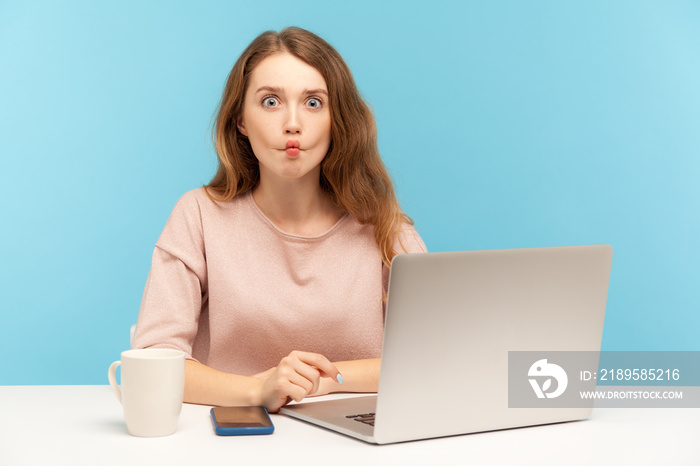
[[280, 90]]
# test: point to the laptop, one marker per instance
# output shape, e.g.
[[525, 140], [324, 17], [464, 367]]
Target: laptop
[[451, 319]]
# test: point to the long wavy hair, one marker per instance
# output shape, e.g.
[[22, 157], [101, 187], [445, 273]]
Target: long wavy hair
[[352, 172]]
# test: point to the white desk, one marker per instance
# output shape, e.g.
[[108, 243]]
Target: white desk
[[83, 425]]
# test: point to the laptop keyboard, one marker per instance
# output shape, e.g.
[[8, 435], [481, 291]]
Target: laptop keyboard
[[363, 418]]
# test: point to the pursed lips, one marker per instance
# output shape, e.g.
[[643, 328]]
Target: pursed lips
[[292, 148]]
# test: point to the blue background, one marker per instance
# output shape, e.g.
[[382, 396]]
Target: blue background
[[504, 124]]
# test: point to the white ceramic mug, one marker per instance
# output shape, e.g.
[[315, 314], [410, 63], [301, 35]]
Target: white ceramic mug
[[153, 386]]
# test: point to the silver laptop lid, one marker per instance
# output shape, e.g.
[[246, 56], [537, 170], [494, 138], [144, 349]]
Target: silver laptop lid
[[451, 320]]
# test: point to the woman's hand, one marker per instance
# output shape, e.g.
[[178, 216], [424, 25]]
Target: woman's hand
[[297, 376]]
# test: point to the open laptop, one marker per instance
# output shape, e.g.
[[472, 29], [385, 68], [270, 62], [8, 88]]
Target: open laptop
[[451, 318]]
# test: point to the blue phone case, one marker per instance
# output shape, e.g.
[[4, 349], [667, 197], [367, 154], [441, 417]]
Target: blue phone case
[[261, 430]]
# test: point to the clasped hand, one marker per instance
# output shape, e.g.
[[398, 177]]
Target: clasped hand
[[296, 377]]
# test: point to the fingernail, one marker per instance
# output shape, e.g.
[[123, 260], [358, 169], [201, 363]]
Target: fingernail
[[339, 378]]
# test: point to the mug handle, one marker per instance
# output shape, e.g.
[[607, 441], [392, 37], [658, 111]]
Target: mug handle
[[111, 374]]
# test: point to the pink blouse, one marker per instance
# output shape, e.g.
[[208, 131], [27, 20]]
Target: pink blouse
[[236, 293]]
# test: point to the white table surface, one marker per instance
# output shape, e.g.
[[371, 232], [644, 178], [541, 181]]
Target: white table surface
[[83, 425]]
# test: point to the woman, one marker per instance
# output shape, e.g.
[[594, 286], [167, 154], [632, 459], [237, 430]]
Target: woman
[[272, 278]]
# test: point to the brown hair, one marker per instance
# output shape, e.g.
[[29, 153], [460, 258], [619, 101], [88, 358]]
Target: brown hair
[[352, 172]]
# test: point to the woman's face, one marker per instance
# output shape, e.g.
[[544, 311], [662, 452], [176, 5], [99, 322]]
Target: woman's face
[[286, 117]]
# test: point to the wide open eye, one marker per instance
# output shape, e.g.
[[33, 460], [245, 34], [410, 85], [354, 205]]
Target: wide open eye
[[270, 102], [314, 102]]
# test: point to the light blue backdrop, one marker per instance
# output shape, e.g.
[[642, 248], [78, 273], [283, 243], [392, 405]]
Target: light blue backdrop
[[505, 124]]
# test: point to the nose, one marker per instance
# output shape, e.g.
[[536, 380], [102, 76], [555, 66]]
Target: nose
[[292, 125]]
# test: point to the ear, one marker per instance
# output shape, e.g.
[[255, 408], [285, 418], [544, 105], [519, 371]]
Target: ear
[[241, 126]]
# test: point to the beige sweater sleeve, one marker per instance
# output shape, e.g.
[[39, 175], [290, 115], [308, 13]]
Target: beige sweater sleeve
[[176, 288]]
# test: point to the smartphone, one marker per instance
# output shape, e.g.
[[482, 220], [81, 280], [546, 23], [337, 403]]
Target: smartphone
[[241, 420]]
